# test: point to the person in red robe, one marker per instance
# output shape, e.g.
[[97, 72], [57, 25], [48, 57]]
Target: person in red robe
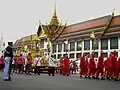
[[16, 64], [106, 67], [61, 65], [20, 64], [82, 66], [92, 66], [29, 63], [86, 66], [114, 66], [109, 65], [1, 63], [66, 66], [100, 66], [118, 68]]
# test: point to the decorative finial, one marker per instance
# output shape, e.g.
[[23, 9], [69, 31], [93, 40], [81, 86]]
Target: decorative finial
[[55, 4], [39, 22], [113, 12], [55, 9], [54, 20], [66, 22]]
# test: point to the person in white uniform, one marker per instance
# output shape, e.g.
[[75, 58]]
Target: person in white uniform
[[24, 55], [51, 66], [37, 64]]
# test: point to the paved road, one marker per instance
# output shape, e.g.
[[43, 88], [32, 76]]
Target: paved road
[[45, 82]]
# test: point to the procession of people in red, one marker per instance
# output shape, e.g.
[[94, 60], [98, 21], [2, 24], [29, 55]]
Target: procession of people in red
[[104, 69]]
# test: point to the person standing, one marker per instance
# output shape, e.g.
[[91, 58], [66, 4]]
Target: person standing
[[51, 66], [8, 57], [114, 66], [1, 63], [86, 66], [82, 65], [20, 64], [100, 66], [29, 63], [37, 64], [66, 66], [106, 67], [118, 69], [109, 66], [92, 66], [16, 64], [24, 55], [61, 65]]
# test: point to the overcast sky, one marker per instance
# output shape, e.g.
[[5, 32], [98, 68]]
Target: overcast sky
[[19, 18]]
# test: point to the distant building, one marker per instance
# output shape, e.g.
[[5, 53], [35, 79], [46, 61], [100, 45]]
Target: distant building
[[75, 39], [79, 35]]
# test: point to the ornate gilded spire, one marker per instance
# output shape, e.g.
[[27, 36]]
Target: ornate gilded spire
[[54, 19], [113, 12]]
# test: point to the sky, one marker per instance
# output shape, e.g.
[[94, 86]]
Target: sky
[[19, 18]]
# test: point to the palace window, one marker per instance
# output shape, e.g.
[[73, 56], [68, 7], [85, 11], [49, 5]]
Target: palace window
[[114, 43], [78, 55], [54, 48], [72, 55], [72, 46], [55, 56], [64, 55], [95, 44], [65, 47], [79, 45], [105, 54], [59, 56], [104, 44], [59, 47], [87, 45], [96, 54]]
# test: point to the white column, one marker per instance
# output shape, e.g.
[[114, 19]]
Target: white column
[[118, 46], [108, 46], [62, 49], [75, 49], [51, 49], [68, 49], [56, 48], [82, 45], [99, 47], [90, 46]]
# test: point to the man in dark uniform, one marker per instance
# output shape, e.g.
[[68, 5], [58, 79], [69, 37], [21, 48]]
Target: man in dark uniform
[[8, 57]]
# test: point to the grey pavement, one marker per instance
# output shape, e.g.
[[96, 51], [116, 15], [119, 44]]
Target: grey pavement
[[45, 82]]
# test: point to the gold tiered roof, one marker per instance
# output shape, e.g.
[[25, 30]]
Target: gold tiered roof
[[54, 20]]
